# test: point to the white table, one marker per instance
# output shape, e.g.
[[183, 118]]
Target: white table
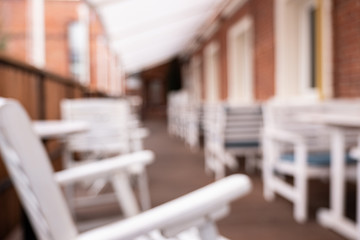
[[51, 129], [334, 217]]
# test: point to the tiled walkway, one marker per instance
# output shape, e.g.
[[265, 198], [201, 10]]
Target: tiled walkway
[[177, 171]]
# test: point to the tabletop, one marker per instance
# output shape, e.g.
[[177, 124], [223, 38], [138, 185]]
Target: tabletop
[[340, 120], [59, 128]]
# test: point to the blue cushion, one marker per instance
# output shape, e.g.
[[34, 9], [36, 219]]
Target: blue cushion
[[316, 159], [241, 144]]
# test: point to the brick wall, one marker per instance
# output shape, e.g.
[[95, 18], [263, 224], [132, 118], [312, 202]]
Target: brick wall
[[13, 14], [57, 49], [58, 15], [346, 32], [262, 14]]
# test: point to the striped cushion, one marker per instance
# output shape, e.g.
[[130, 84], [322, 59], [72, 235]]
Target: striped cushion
[[317, 158]]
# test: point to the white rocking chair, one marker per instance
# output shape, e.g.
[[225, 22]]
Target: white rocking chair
[[39, 190]]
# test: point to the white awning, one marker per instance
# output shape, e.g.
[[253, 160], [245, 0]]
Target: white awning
[[148, 32]]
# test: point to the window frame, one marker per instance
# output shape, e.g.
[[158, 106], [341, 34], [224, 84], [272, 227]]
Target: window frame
[[291, 56], [212, 72], [241, 86]]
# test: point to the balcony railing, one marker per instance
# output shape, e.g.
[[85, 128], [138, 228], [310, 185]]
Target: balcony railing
[[40, 92]]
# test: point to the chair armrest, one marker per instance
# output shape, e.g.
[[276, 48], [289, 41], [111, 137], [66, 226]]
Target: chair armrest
[[355, 153], [189, 208], [104, 167], [283, 136]]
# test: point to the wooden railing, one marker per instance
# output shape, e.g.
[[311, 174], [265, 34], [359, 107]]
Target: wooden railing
[[40, 92]]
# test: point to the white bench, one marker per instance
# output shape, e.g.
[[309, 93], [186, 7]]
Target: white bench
[[231, 131]]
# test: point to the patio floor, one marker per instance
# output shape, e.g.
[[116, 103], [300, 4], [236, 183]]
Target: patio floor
[[177, 171]]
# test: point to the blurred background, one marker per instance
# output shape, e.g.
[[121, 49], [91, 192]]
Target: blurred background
[[173, 61]]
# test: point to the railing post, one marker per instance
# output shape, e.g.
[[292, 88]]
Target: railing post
[[41, 97]]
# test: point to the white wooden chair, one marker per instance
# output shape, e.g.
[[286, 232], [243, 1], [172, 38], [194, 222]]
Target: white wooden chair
[[113, 131], [177, 113], [38, 188], [184, 118], [212, 147], [295, 148], [231, 131]]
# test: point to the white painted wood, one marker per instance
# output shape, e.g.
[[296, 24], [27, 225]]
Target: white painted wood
[[184, 117], [292, 49], [98, 169], [19, 144], [240, 59], [212, 71], [285, 131], [33, 177], [127, 199], [59, 129], [113, 131], [226, 125], [337, 172], [196, 205], [208, 231], [339, 122]]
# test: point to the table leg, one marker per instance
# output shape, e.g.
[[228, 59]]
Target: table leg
[[337, 173], [334, 217]]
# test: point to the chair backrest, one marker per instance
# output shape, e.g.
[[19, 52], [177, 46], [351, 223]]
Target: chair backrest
[[31, 172], [212, 125], [242, 123], [285, 116], [233, 125], [109, 124]]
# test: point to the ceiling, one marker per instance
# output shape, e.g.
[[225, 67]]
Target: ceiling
[[148, 32]]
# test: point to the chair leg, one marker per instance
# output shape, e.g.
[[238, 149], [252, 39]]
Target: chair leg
[[269, 194], [300, 184], [124, 194], [268, 170], [144, 190], [208, 231], [301, 201]]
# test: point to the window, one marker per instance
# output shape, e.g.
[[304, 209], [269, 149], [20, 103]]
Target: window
[[303, 48], [78, 47], [211, 56], [240, 58], [78, 39]]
